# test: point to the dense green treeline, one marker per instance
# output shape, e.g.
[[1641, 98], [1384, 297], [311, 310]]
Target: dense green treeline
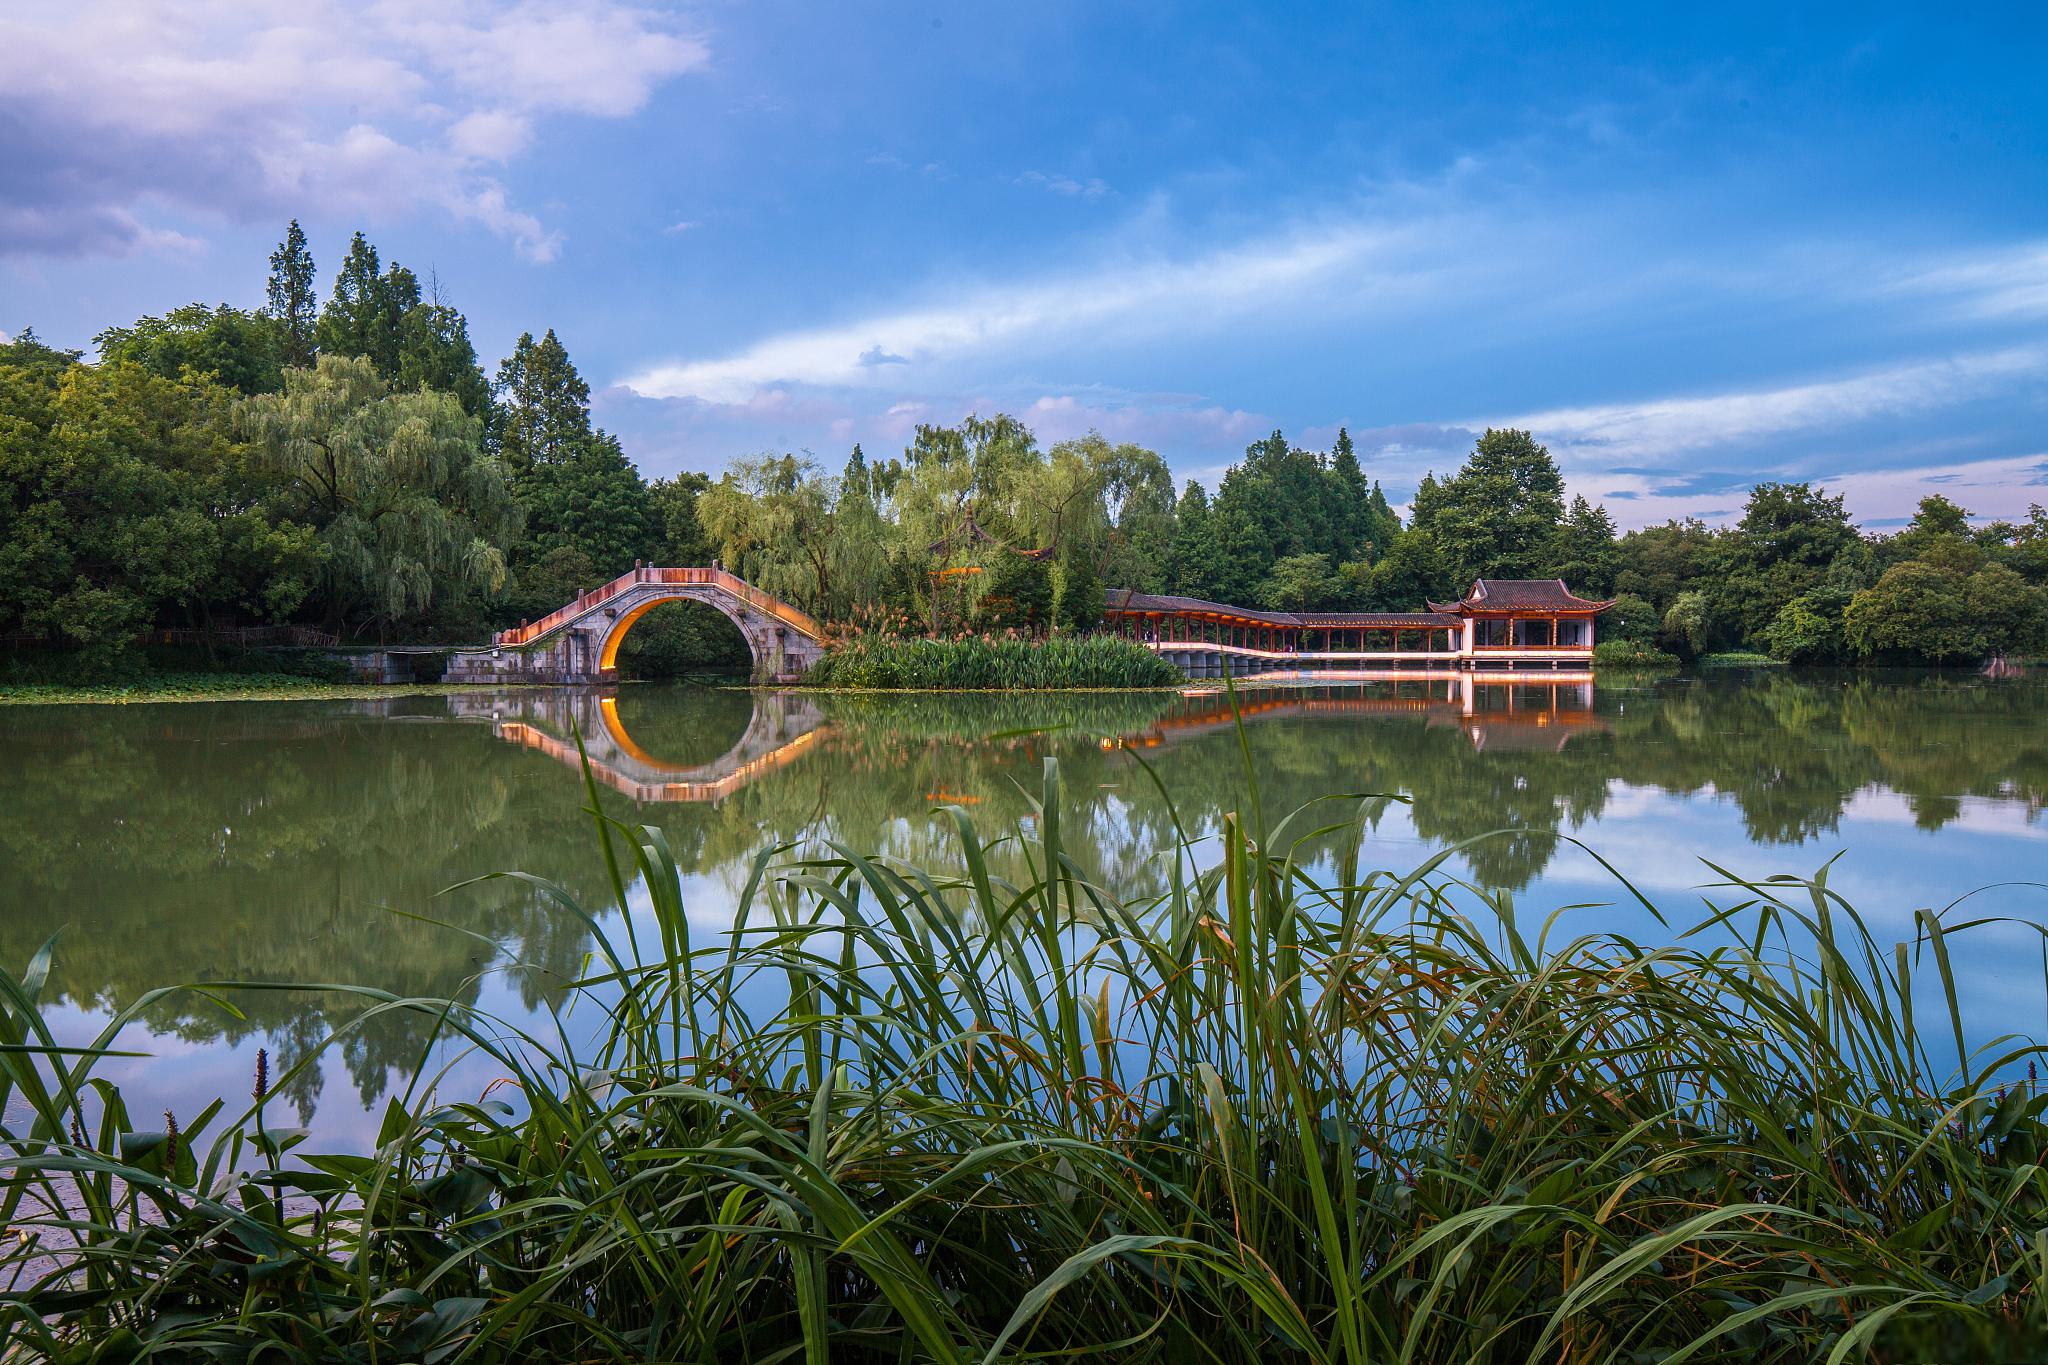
[[348, 464], [344, 464]]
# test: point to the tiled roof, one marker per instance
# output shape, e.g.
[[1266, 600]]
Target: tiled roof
[[1521, 594], [1374, 620], [1123, 599]]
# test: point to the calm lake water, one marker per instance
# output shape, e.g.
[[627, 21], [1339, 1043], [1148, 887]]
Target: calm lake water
[[309, 841]]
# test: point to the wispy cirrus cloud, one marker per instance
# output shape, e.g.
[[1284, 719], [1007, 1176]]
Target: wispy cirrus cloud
[[1999, 283], [1671, 428], [1129, 300], [115, 110]]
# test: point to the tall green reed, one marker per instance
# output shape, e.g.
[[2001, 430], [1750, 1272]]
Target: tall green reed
[[1281, 1112]]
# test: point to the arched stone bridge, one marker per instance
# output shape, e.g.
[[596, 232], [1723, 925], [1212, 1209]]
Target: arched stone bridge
[[580, 642]]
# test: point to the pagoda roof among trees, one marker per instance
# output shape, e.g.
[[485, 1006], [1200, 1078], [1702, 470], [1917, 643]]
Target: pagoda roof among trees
[[1520, 594]]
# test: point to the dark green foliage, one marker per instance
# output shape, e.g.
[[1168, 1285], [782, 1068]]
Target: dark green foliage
[[1631, 619], [412, 515], [578, 488], [683, 541], [1408, 575], [1019, 595], [1790, 536], [1637, 654], [543, 404], [290, 298], [1278, 503], [413, 341], [1584, 553], [244, 351], [680, 639], [1499, 517], [126, 502], [363, 309], [1660, 562], [1080, 597], [1196, 564], [1809, 628], [594, 501], [987, 662], [31, 357], [1920, 610], [1300, 583]]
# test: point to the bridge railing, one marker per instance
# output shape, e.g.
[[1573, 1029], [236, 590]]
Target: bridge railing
[[704, 578]]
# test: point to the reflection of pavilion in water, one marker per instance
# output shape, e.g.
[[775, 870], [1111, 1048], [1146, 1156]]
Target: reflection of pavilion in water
[[1495, 714]]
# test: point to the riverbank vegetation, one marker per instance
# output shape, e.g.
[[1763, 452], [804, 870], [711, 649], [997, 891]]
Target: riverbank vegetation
[[348, 464], [945, 1114], [973, 663], [205, 686], [1636, 654]]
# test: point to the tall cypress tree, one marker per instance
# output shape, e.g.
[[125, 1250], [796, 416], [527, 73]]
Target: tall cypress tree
[[293, 302], [353, 321], [544, 405], [1350, 523], [1194, 561]]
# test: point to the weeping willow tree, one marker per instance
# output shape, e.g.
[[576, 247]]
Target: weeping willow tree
[[414, 515]]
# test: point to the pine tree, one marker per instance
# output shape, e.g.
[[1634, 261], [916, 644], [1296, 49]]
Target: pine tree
[[434, 352], [1498, 517], [354, 321], [544, 413], [1351, 504], [1586, 555], [293, 301], [1192, 564], [1382, 523]]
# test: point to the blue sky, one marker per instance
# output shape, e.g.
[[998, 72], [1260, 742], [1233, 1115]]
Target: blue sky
[[1690, 248]]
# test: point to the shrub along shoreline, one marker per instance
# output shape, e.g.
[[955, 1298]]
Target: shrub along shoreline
[[991, 1113], [991, 663]]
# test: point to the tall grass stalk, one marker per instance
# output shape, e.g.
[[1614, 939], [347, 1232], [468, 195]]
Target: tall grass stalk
[[907, 1114]]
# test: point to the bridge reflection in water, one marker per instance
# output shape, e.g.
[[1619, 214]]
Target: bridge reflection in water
[[1496, 713]]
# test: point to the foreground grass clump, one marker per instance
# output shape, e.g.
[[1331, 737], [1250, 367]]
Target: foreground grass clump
[[913, 1115], [989, 662]]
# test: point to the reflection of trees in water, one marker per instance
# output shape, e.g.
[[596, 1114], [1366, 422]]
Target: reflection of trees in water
[[265, 841]]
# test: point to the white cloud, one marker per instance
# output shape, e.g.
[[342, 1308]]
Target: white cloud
[[1063, 184], [2004, 283], [257, 108], [1140, 299], [1151, 421], [2001, 486], [1666, 429], [490, 134]]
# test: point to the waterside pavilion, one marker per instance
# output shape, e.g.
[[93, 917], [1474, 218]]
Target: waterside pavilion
[[1499, 624]]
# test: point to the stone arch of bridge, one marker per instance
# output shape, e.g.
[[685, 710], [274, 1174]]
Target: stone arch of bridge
[[723, 603]]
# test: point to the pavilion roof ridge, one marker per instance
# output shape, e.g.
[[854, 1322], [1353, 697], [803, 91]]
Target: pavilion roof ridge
[[1521, 594]]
